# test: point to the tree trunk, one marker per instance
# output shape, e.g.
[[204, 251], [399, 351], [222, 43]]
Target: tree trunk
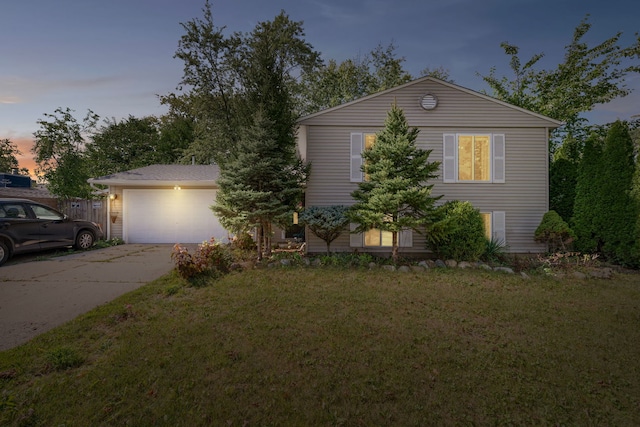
[[394, 250], [267, 238], [259, 241]]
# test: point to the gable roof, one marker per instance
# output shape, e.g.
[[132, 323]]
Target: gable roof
[[162, 175], [552, 122]]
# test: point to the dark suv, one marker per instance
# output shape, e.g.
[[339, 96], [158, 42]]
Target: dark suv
[[27, 226]]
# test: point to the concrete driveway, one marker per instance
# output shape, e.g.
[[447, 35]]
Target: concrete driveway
[[37, 296]]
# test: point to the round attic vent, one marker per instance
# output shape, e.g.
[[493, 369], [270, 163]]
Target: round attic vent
[[429, 102]]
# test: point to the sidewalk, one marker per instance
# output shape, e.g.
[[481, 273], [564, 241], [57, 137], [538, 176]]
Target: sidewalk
[[40, 295]]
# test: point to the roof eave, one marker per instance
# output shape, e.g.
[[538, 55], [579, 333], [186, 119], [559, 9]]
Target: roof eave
[[153, 183]]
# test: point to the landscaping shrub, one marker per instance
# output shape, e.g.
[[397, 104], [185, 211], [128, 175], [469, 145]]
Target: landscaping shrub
[[326, 222], [493, 250], [554, 232], [458, 233], [211, 259]]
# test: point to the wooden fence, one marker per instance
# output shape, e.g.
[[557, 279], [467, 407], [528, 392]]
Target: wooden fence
[[88, 210]]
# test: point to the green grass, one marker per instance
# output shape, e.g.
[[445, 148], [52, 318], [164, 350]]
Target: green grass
[[307, 347]]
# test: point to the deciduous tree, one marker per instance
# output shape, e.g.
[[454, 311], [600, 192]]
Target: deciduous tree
[[589, 75], [9, 153], [336, 83], [59, 149]]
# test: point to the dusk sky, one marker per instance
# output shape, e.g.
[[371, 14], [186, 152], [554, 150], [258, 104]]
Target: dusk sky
[[116, 56]]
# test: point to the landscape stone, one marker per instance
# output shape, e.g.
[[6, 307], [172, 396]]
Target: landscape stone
[[404, 269], [424, 264], [451, 263], [464, 264], [504, 269], [418, 268], [579, 275], [602, 273], [440, 264], [389, 267]]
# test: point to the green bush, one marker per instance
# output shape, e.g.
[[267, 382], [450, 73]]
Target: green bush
[[554, 232], [458, 232]]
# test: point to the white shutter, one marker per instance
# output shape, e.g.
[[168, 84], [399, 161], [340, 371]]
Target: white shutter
[[355, 240], [449, 158], [499, 227], [357, 141], [405, 238], [498, 158]]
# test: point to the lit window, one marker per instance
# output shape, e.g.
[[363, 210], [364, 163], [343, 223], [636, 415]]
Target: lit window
[[376, 237], [486, 219], [474, 158], [369, 140]]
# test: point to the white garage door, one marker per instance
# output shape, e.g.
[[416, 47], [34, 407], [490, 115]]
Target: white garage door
[[170, 216]]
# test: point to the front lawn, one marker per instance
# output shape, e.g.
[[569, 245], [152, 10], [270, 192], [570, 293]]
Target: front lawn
[[323, 346]]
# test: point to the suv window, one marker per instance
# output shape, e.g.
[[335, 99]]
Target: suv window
[[11, 210], [42, 212]]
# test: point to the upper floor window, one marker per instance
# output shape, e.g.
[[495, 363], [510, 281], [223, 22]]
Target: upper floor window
[[359, 143], [473, 158]]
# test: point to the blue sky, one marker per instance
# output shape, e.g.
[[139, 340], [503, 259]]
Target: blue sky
[[115, 56]]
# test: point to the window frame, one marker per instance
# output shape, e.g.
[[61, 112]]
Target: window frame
[[450, 161], [497, 222], [357, 146]]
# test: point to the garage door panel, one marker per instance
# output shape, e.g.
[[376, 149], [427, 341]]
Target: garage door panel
[[170, 216]]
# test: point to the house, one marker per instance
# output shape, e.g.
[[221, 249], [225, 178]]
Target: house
[[492, 154], [162, 204]]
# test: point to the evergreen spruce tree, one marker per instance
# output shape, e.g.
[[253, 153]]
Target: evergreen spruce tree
[[260, 183], [588, 209], [395, 195], [619, 228]]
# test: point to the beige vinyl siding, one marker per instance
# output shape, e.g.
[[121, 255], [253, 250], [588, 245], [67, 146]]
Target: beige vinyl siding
[[455, 107], [523, 195]]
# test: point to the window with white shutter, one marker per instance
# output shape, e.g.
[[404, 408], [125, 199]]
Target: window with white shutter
[[473, 158]]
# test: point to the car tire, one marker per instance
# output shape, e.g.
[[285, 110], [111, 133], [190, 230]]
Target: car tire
[[84, 240], [4, 253]]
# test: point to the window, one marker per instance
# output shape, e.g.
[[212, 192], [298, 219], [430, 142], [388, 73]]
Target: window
[[375, 237], [486, 219], [378, 238], [473, 158], [494, 226], [42, 212], [359, 142]]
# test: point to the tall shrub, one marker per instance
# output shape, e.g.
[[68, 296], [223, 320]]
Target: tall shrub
[[459, 232], [588, 210], [554, 232], [619, 228]]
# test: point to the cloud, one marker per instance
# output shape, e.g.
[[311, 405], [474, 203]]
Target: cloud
[[18, 90], [9, 100]]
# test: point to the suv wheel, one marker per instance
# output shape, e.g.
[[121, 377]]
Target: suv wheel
[[4, 253], [84, 240]]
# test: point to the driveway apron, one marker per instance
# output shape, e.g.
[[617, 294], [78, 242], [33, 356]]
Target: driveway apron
[[37, 296]]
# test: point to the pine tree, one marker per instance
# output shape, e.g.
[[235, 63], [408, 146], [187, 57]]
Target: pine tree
[[260, 183], [619, 229], [395, 195]]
